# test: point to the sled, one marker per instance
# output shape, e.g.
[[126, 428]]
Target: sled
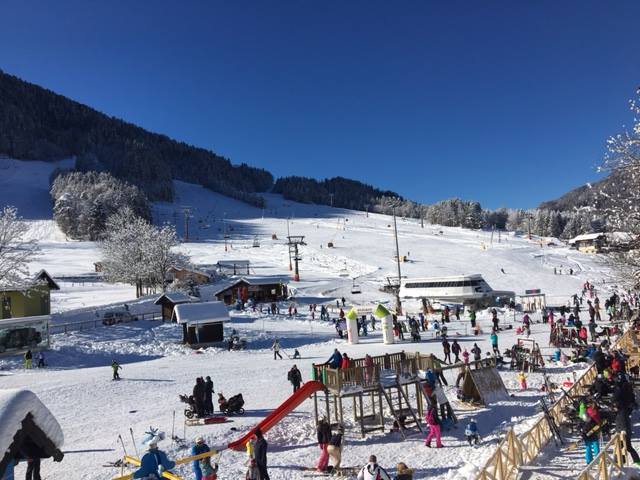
[[192, 422]]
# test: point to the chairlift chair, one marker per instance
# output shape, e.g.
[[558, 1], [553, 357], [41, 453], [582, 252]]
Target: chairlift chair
[[344, 272], [355, 288]]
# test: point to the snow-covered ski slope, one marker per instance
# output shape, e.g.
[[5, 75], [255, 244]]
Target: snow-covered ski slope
[[93, 410]]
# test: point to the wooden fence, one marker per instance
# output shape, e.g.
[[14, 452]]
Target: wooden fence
[[95, 322], [610, 462]]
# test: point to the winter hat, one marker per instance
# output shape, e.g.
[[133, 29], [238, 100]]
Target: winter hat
[[199, 440], [402, 468]]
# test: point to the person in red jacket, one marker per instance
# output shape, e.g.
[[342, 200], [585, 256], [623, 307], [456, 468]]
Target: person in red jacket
[[345, 362]]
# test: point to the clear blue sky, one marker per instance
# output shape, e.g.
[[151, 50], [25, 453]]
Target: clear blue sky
[[507, 102]]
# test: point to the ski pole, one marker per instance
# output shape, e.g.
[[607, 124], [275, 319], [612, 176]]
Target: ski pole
[[134, 442], [173, 425], [122, 443]]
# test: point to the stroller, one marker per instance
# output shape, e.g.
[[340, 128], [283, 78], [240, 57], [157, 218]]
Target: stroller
[[232, 406], [190, 411]]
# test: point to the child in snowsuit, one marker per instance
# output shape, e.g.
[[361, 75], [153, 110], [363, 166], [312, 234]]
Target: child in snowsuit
[[116, 366], [434, 427], [154, 461], [471, 432], [252, 472], [522, 380]]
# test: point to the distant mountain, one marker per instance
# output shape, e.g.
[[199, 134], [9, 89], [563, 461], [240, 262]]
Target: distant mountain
[[38, 124]]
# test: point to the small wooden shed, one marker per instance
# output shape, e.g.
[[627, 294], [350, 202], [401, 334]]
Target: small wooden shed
[[259, 289], [202, 323], [32, 298], [169, 300]]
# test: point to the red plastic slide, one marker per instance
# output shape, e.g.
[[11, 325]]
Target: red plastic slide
[[308, 389]]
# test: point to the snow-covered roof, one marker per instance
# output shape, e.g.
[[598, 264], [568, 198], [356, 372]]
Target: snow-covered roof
[[264, 280], [15, 405], [586, 236], [197, 313], [26, 283], [175, 297]]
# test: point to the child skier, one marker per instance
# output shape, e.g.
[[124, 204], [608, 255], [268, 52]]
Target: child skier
[[116, 366], [471, 432]]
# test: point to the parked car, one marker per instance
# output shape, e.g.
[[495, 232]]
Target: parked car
[[19, 338], [116, 316]]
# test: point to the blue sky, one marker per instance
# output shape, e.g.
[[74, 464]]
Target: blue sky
[[505, 102]]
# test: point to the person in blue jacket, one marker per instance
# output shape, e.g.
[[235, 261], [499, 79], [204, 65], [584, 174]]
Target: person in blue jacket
[[197, 449], [155, 461], [335, 359]]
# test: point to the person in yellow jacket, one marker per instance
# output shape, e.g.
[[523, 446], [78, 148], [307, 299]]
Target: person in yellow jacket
[[250, 453], [522, 379]]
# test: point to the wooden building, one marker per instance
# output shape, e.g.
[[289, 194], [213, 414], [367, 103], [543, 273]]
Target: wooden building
[[188, 275], [30, 299], [169, 300], [589, 242], [259, 289], [202, 323]]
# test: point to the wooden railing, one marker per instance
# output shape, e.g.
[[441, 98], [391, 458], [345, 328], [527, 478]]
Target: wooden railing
[[610, 462], [341, 379], [95, 322], [505, 461]]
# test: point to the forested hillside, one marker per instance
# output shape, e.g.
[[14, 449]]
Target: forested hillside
[[38, 124]]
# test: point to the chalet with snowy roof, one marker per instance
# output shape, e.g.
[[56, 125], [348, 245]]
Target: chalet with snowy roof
[[169, 300], [589, 242], [29, 430], [188, 275], [271, 288], [202, 323], [30, 298]]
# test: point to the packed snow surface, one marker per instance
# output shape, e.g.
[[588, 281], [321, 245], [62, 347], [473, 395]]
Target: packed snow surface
[[93, 410]]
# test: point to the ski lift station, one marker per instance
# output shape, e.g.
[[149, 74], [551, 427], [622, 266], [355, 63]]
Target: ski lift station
[[465, 289]]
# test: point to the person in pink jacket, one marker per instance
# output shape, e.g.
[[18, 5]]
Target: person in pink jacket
[[434, 427]]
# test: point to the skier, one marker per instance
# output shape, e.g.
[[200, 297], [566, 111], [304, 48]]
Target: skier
[[590, 434], [261, 454], [155, 461], [471, 432], [208, 396], [465, 357], [40, 358], [276, 349], [295, 377], [373, 471], [494, 319], [28, 359], [115, 366], [324, 436], [457, 313], [455, 349], [296, 353]]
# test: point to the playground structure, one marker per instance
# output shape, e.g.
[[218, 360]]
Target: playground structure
[[391, 382], [526, 356]]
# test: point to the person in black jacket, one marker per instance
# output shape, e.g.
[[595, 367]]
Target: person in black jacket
[[208, 396], [260, 452], [295, 377], [625, 400], [198, 396], [600, 360]]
